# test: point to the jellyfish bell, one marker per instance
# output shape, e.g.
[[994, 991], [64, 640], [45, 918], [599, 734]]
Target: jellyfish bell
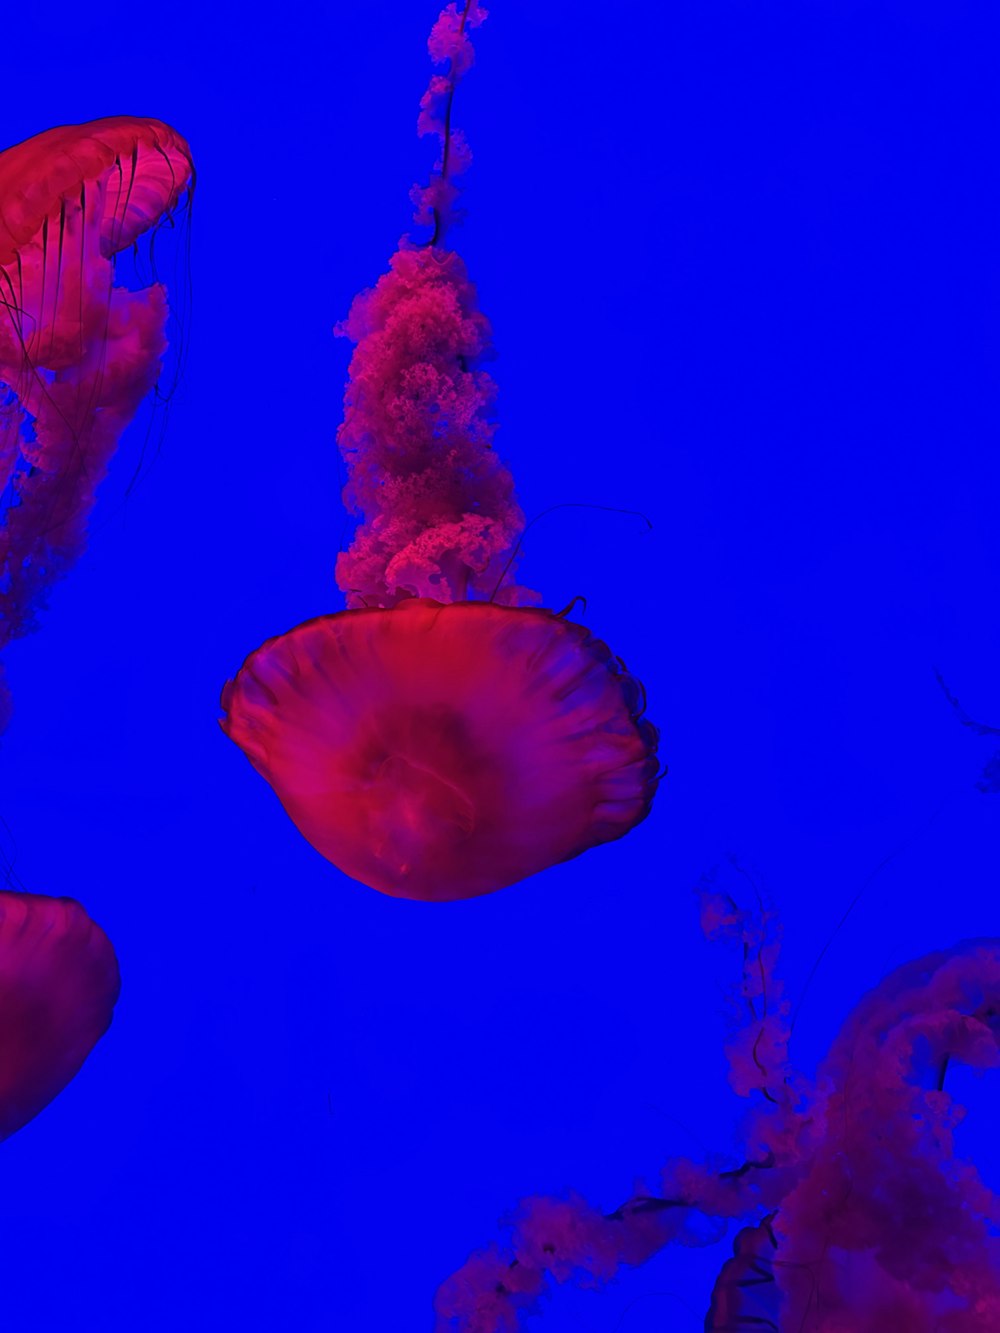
[[133, 170], [58, 987], [440, 751]]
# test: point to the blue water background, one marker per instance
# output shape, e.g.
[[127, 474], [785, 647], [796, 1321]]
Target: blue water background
[[741, 265]]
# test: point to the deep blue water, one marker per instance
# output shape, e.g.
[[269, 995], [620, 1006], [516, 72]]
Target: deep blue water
[[741, 264]]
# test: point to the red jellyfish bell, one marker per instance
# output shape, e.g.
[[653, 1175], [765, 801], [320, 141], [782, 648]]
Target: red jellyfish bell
[[443, 737], [442, 751], [77, 353], [58, 987]]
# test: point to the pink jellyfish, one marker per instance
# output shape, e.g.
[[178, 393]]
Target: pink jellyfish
[[443, 737], [58, 987], [858, 1215], [77, 353]]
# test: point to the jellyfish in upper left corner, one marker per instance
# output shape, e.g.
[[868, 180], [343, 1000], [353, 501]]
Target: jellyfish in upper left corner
[[78, 351], [444, 736]]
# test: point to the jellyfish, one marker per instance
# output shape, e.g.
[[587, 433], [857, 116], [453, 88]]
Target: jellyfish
[[78, 354], [444, 736], [856, 1212], [58, 988]]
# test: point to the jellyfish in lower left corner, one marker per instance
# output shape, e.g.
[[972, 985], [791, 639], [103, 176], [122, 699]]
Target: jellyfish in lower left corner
[[444, 736], [79, 351], [58, 987]]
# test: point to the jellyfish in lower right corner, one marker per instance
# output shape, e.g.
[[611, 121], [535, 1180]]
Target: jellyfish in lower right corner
[[857, 1215], [58, 987], [444, 736]]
